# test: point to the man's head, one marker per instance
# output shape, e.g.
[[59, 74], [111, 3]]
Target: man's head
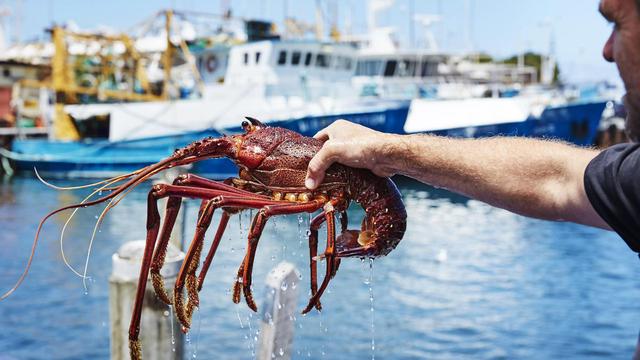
[[623, 48]]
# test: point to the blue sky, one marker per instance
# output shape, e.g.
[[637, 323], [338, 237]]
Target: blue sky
[[498, 27]]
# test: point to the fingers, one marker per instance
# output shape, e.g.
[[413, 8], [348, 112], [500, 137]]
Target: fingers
[[322, 135], [333, 128], [318, 165]]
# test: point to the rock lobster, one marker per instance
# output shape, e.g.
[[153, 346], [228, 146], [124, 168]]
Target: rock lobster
[[273, 163]]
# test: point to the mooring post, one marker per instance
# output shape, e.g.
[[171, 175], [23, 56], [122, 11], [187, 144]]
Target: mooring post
[[278, 313], [159, 331]]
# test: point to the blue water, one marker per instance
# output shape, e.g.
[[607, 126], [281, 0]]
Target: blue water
[[467, 282]]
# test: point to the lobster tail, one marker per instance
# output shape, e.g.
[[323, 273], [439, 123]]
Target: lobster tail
[[384, 223]]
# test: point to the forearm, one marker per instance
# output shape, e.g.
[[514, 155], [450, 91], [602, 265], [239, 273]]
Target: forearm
[[530, 177]]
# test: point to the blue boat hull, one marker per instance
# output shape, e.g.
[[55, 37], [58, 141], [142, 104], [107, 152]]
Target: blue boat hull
[[576, 123], [101, 158]]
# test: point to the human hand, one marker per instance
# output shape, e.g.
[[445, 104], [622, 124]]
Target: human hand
[[351, 145]]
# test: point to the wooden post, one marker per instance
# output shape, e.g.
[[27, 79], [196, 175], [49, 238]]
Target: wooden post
[[159, 331], [278, 311]]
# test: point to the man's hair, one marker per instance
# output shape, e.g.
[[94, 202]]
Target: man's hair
[[638, 6]]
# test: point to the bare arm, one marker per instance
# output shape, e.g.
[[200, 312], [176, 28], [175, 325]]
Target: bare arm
[[536, 178]]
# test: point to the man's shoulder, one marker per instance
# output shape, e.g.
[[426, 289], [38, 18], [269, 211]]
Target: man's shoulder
[[612, 186]]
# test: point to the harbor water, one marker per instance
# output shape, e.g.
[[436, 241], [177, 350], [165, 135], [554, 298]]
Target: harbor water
[[467, 282]]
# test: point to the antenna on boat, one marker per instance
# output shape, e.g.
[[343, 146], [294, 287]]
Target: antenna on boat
[[319, 21], [427, 20]]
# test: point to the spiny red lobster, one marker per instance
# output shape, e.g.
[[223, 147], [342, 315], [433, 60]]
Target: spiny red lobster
[[273, 163]]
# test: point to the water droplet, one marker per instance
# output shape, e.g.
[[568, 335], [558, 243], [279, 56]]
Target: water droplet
[[165, 313], [279, 306], [284, 286], [273, 355], [308, 233]]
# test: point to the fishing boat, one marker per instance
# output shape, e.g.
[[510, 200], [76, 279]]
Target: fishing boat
[[303, 85]]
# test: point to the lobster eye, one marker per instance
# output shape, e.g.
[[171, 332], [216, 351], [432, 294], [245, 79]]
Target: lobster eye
[[247, 126]]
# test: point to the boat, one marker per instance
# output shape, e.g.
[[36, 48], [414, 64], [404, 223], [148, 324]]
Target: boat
[[302, 85]]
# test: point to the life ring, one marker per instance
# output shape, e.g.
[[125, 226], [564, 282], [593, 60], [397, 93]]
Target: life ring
[[211, 64]]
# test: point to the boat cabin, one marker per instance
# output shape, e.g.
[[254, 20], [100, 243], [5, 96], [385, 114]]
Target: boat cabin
[[290, 61]]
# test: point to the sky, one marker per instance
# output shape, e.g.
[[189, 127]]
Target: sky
[[572, 29]]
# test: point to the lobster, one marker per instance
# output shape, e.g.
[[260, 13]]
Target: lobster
[[272, 166]]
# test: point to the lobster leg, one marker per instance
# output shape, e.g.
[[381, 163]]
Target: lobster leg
[[344, 221], [257, 227], [153, 225], [173, 207], [186, 276], [222, 226], [314, 225], [330, 257], [171, 214]]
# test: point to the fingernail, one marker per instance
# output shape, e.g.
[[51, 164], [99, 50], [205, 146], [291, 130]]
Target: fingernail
[[310, 183]]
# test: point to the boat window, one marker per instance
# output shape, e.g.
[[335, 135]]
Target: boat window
[[246, 58], [429, 68], [295, 58], [407, 68], [323, 60], [257, 57], [307, 59], [282, 57], [390, 68], [348, 62], [368, 68]]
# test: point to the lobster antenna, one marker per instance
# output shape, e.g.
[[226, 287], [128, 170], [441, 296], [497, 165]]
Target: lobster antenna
[[141, 175], [93, 236], [112, 203], [64, 227], [46, 183]]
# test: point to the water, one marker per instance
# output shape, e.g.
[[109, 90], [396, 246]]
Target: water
[[467, 282]]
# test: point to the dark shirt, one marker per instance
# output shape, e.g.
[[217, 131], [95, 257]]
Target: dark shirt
[[612, 183]]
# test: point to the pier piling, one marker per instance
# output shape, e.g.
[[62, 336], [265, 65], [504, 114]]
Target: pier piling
[[278, 313], [159, 340]]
